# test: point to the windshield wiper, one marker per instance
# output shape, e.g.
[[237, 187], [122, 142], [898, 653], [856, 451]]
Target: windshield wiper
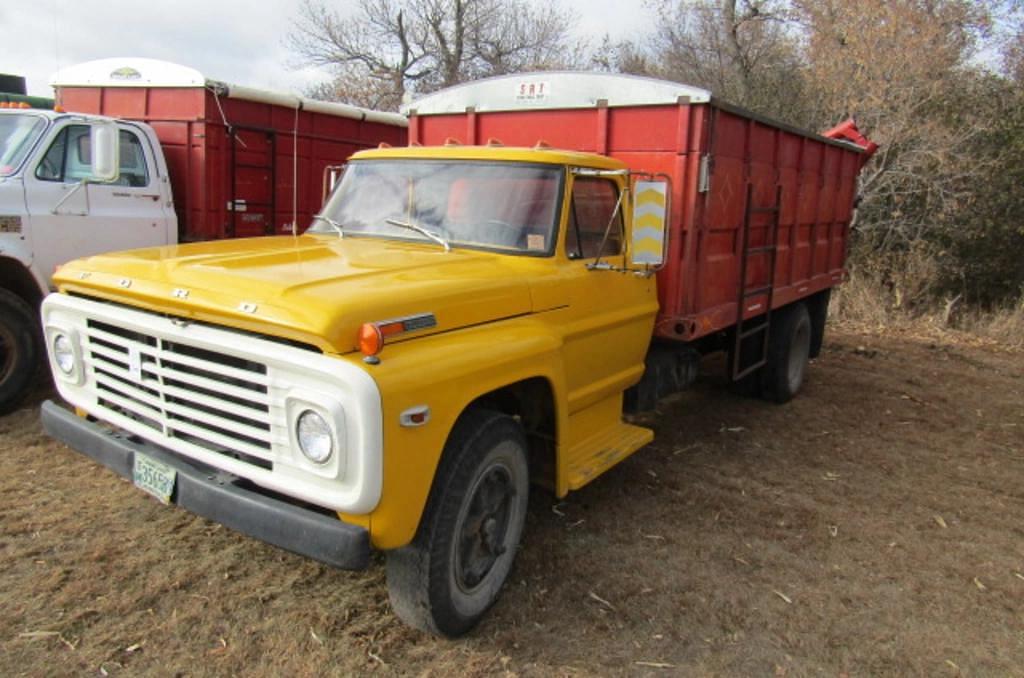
[[332, 223], [419, 229]]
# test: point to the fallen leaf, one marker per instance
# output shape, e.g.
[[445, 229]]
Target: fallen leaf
[[941, 523], [1018, 575], [982, 587]]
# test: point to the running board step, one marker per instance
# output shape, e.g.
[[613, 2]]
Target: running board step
[[601, 451]]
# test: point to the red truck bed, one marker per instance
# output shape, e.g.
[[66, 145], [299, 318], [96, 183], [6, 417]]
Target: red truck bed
[[713, 152], [229, 149]]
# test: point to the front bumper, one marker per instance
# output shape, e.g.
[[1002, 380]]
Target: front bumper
[[220, 496]]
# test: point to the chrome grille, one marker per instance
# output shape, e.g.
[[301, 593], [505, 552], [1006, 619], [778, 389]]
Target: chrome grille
[[215, 401]]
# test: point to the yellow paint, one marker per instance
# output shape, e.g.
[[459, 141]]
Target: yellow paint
[[501, 319]]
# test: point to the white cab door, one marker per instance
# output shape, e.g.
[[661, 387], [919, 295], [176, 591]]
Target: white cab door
[[69, 219]]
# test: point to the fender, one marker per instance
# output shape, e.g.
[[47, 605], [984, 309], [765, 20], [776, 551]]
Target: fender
[[447, 372], [17, 271]]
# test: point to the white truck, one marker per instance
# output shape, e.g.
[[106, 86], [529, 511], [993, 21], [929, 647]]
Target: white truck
[[55, 207]]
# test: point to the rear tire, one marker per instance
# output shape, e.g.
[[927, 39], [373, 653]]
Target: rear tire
[[454, 569], [789, 347], [19, 350]]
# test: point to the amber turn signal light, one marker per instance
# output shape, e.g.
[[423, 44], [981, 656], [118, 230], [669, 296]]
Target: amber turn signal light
[[371, 341]]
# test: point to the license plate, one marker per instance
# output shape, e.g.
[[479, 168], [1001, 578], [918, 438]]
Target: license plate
[[154, 477]]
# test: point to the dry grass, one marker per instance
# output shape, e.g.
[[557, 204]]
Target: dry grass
[[1005, 325], [872, 527], [864, 304]]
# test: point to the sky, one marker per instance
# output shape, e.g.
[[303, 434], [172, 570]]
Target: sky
[[238, 41]]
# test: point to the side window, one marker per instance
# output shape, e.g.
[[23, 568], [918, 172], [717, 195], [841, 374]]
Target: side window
[[70, 154], [133, 161], [593, 203], [51, 167]]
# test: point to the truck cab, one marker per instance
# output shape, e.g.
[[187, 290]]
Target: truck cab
[[456, 323], [52, 210], [46, 177]]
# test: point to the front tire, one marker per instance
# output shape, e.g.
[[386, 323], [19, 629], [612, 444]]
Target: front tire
[[453, 571], [19, 350]]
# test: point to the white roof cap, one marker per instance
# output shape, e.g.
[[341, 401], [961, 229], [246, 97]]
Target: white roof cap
[[554, 89], [127, 72], [140, 72]]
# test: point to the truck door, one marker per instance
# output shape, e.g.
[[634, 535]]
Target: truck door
[[611, 312], [92, 218]]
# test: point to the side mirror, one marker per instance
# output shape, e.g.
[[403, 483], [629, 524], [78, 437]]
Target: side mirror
[[650, 223], [332, 175], [105, 155]]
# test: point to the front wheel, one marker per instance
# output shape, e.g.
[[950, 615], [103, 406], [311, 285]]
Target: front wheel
[[453, 571], [19, 350]]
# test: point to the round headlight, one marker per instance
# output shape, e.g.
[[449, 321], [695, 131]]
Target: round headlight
[[314, 436], [63, 353]]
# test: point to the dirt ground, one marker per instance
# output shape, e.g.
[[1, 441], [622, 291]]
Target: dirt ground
[[873, 526]]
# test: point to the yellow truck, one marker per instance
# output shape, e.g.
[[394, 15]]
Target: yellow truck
[[459, 322]]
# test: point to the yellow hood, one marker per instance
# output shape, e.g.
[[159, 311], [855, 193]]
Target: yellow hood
[[313, 289]]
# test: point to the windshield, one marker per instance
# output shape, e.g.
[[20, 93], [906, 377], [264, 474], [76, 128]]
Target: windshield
[[501, 206], [17, 134]]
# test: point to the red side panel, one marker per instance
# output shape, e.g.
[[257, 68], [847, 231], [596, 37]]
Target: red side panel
[[239, 183], [817, 181]]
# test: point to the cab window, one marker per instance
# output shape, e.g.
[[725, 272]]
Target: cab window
[[593, 206], [70, 154]]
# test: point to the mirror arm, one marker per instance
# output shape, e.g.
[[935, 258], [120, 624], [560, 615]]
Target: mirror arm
[[607, 231]]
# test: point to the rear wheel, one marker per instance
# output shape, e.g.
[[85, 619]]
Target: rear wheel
[[788, 351], [19, 350], [453, 571]]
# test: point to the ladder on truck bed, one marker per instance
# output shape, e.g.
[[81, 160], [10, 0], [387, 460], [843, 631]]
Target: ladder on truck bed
[[750, 347]]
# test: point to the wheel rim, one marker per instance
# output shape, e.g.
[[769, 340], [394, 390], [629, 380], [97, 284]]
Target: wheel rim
[[483, 527], [799, 349], [8, 352]]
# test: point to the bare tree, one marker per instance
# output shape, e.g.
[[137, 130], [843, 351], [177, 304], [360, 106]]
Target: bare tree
[[390, 48], [745, 51], [901, 67], [624, 56]]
